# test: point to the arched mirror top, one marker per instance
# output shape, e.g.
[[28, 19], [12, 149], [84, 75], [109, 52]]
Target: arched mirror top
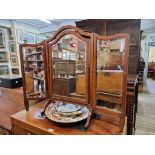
[[69, 28], [69, 67]]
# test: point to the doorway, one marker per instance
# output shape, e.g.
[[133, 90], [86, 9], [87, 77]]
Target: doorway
[[145, 124]]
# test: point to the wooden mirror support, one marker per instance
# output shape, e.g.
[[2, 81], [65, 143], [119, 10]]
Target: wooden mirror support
[[34, 72], [111, 66], [70, 52]]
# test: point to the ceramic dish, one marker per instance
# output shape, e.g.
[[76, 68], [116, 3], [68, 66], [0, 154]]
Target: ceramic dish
[[72, 117], [67, 108]]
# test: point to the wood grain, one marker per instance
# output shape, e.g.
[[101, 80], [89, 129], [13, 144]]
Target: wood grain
[[30, 122], [11, 102]]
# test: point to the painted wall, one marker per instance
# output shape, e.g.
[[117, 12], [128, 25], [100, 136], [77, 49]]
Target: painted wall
[[145, 48], [6, 49], [151, 54], [15, 25]]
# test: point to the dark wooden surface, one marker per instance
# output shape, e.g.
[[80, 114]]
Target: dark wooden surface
[[113, 26], [11, 102], [30, 122], [132, 103], [65, 67], [10, 82], [67, 86]]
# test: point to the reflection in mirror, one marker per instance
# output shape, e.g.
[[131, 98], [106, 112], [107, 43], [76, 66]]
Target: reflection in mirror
[[69, 67], [110, 55], [34, 72]]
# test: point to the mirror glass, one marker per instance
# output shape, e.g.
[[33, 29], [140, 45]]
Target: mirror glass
[[110, 58], [69, 67], [34, 72]]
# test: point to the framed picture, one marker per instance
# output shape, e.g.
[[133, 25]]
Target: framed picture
[[20, 36], [30, 38], [26, 37], [4, 70], [12, 48], [14, 61], [2, 40], [10, 34], [15, 71], [3, 56], [40, 38]]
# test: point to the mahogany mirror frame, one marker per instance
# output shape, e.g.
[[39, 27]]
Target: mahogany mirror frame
[[26, 99], [125, 73], [83, 36]]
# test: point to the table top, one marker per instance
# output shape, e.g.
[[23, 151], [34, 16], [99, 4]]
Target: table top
[[32, 120]]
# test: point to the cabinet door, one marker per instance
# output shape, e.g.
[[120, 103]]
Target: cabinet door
[[111, 72], [69, 63], [33, 70]]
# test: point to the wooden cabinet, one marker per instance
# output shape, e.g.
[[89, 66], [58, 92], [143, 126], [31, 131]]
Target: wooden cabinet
[[67, 86], [132, 103], [110, 81], [106, 27], [20, 131], [63, 67], [141, 67], [75, 74]]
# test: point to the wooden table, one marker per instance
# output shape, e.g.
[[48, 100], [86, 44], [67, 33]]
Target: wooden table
[[31, 122]]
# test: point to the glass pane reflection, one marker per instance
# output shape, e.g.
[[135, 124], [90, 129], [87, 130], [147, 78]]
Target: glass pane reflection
[[34, 72], [69, 67], [110, 73]]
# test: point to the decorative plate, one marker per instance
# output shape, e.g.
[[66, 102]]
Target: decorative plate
[[70, 115], [67, 108]]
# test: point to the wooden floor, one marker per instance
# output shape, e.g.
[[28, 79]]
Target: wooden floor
[[145, 119], [11, 101]]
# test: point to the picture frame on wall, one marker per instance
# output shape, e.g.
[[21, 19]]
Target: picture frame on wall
[[31, 38], [15, 71], [26, 37], [10, 34], [2, 39], [40, 38], [14, 60], [4, 70], [20, 37], [12, 47], [3, 56]]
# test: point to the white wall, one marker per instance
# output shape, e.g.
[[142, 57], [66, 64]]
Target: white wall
[[6, 49], [145, 50], [15, 25]]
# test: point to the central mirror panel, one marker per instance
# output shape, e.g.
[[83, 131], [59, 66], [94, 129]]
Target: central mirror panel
[[69, 71]]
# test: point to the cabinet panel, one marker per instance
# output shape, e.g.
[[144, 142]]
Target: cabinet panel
[[67, 86], [19, 131]]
